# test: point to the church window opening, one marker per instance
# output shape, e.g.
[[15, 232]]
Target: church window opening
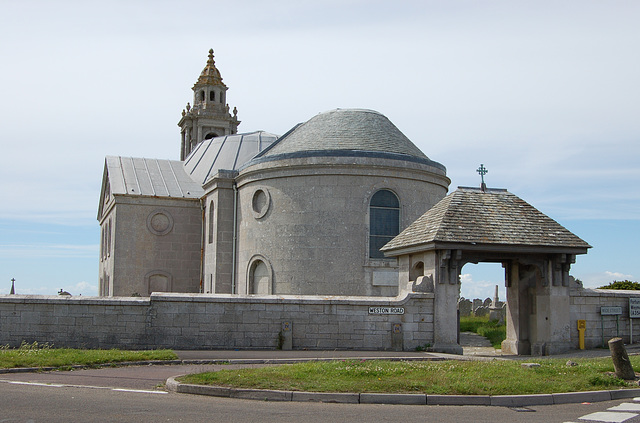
[[210, 135], [259, 278], [201, 95], [211, 221], [212, 96], [260, 203], [158, 281], [384, 221], [109, 238]]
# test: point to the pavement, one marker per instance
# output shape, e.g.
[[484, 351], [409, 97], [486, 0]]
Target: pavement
[[155, 376]]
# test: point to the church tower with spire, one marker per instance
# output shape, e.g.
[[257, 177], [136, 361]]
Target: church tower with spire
[[209, 116]]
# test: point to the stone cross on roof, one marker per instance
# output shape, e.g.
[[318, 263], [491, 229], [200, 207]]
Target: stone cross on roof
[[482, 171]]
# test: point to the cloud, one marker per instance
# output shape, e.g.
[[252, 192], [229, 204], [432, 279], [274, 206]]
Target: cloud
[[596, 280], [81, 288], [471, 289], [42, 250]]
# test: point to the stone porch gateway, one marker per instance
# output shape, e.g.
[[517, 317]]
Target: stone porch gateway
[[474, 225]]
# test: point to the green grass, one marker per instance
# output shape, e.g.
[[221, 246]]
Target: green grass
[[42, 355], [498, 377], [491, 330]]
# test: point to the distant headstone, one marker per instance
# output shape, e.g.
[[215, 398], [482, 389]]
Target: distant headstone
[[481, 311], [477, 303], [486, 302], [465, 307]]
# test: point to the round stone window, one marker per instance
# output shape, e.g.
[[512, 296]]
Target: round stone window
[[160, 222], [260, 202]]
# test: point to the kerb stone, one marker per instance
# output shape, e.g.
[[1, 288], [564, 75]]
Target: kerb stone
[[404, 399]]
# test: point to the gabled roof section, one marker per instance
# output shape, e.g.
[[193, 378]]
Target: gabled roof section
[[229, 152], [150, 177], [492, 217]]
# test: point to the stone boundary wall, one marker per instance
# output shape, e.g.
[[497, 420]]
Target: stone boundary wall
[[586, 303], [208, 321]]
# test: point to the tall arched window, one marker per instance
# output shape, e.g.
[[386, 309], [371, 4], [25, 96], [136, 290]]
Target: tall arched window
[[259, 278], [384, 221], [211, 222]]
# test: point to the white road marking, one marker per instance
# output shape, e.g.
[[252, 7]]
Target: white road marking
[[141, 391], [608, 417], [625, 406], [57, 385]]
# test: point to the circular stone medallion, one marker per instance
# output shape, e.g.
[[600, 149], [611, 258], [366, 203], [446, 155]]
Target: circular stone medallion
[[160, 222]]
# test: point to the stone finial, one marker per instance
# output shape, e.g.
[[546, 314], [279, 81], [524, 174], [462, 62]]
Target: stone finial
[[183, 112], [13, 287], [210, 74], [188, 107], [235, 111]]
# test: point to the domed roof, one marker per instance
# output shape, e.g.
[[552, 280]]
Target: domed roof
[[346, 132], [210, 75], [229, 153]]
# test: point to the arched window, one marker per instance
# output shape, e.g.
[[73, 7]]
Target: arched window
[[202, 96], [259, 278], [384, 221], [211, 222], [109, 238], [210, 135], [158, 281], [212, 96]]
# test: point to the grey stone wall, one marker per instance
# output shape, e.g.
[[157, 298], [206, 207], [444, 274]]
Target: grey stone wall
[[315, 223], [139, 251], [586, 304], [200, 321]]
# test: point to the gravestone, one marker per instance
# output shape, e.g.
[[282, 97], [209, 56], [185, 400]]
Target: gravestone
[[476, 303], [481, 311], [465, 307]]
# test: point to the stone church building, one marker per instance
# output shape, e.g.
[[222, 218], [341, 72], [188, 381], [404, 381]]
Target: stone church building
[[338, 234], [305, 213]]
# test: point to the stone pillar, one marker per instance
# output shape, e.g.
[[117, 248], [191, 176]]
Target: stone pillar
[[445, 303], [517, 316], [552, 314]]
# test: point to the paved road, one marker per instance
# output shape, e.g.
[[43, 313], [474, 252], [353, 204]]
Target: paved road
[[89, 395], [36, 403]]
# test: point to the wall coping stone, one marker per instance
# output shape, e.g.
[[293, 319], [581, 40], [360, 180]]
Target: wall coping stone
[[589, 292], [403, 298], [66, 299]]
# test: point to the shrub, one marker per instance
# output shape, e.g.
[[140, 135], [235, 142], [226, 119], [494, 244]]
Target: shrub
[[629, 285]]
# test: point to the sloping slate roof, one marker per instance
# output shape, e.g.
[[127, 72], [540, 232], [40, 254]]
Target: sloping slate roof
[[469, 215], [229, 152], [150, 177], [347, 130]]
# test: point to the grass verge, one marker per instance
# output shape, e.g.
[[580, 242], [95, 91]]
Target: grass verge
[[497, 377], [491, 330], [42, 355]]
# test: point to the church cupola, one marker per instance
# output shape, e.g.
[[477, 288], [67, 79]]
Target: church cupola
[[209, 116]]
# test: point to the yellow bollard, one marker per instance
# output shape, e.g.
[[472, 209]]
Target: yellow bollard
[[582, 326]]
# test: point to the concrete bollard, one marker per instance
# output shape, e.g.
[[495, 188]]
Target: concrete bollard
[[621, 362]]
